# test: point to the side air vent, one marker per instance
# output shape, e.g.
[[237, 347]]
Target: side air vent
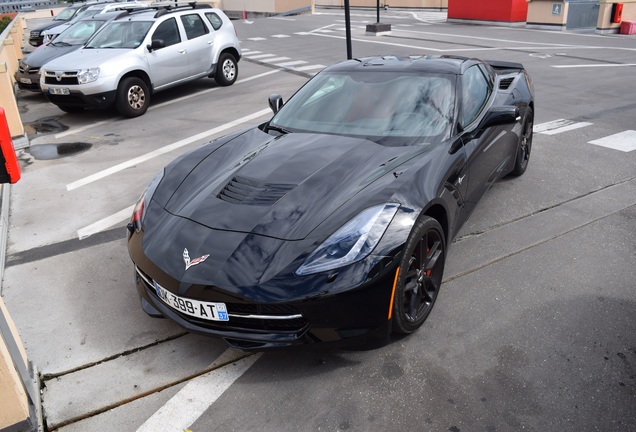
[[505, 83], [246, 191]]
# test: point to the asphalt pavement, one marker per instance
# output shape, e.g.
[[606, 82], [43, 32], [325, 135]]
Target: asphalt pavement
[[535, 326]]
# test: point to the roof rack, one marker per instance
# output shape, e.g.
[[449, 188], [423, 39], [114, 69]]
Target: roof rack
[[170, 7], [163, 8]]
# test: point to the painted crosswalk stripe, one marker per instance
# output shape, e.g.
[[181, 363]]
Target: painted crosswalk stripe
[[291, 63], [310, 67], [247, 52], [256, 39], [302, 33], [624, 141], [261, 56], [280, 36], [558, 126], [275, 59]]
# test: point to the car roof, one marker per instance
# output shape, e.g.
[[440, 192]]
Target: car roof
[[440, 64], [155, 11]]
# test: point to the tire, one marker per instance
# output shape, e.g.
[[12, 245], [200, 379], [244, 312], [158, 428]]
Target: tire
[[525, 145], [70, 109], [132, 98], [420, 275], [227, 70]]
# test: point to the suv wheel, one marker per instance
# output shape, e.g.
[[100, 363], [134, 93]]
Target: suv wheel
[[227, 71], [132, 98]]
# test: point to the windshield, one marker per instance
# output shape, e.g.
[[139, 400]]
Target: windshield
[[78, 33], [65, 15], [121, 34], [384, 107]]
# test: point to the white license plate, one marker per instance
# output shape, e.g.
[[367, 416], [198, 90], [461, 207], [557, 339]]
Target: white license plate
[[199, 309], [25, 80], [60, 91]]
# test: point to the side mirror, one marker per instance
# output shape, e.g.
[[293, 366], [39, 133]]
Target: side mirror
[[156, 44], [275, 102], [9, 167]]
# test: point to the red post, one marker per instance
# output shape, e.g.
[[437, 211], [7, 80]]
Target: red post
[[10, 172]]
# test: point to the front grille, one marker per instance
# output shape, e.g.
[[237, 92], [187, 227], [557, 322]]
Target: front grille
[[27, 70], [262, 317], [60, 78], [242, 190]]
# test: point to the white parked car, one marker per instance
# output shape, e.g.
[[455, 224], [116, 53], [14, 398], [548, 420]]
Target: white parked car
[[143, 52]]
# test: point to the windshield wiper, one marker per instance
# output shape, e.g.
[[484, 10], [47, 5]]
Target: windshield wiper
[[278, 129], [60, 43]]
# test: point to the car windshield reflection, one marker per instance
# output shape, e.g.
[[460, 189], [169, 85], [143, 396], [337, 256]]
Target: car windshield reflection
[[129, 34], [383, 107]]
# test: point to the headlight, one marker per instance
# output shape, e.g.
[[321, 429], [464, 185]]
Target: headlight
[[352, 242], [87, 75], [140, 208]]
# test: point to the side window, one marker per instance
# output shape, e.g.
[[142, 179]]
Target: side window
[[194, 26], [168, 32], [214, 19], [475, 93]]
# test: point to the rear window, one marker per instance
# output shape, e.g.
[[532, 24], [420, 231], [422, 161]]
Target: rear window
[[214, 19]]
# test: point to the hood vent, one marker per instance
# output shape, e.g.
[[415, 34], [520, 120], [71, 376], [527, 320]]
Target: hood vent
[[246, 191], [505, 83]]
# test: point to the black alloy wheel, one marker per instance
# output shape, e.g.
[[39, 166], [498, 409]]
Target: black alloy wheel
[[420, 277], [525, 145]]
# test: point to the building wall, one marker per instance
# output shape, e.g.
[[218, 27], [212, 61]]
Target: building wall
[[604, 24], [423, 4], [491, 10]]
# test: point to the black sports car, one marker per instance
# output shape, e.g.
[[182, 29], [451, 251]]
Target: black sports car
[[331, 221]]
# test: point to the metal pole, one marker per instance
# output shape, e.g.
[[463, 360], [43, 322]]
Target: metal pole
[[348, 28], [378, 9]]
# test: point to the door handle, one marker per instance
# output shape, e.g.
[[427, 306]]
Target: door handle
[[182, 51]]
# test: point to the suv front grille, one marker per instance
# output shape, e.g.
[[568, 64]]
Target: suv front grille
[[60, 78]]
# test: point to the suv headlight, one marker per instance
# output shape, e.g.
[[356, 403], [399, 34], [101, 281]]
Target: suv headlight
[[88, 75], [352, 242]]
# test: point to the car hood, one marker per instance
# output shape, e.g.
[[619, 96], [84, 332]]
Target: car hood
[[46, 53], [282, 187], [86, 58]]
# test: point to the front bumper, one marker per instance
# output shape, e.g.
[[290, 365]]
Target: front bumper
[[81, 100], [357, 316]]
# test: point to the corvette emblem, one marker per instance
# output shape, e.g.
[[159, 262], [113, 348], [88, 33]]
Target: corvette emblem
[[189, 263]]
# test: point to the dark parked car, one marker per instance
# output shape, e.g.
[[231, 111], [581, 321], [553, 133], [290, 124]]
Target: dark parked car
[[71, 39], [332, 220], [36, 35]]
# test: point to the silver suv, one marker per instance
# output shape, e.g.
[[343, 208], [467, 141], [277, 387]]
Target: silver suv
[[143, 52]]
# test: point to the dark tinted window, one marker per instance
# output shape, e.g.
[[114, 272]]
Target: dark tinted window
[[168, 32], [475, 92], [194, 26]]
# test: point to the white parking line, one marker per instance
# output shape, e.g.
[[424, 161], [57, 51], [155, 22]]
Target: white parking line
[[310, 67], [275, 59], [624, 141], [107, 222], [259, 56], [592, 65], [163, 104], [163, 150], [558, 126], [180, 412], [291, 63]]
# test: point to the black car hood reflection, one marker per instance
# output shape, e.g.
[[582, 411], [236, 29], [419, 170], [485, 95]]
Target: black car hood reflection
[[281, 187]]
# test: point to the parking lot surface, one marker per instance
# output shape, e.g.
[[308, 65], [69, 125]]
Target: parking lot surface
[[535, 326]]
